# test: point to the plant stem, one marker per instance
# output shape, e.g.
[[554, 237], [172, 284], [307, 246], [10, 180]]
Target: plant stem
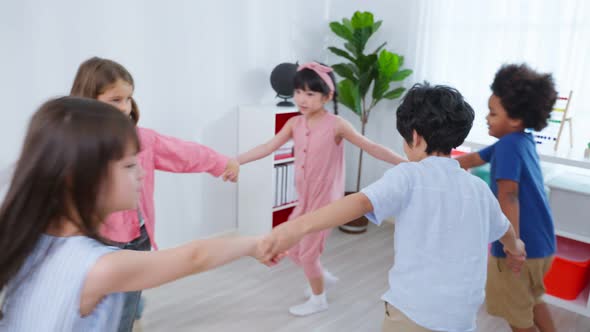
[[364, 118], [360, 169]]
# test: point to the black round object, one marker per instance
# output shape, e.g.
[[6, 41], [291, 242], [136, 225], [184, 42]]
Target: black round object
[[281, 80]]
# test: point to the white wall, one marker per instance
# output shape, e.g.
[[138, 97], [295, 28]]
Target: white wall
[[193, 63]]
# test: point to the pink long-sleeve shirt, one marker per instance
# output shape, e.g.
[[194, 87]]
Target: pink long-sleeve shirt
[[165, 153]]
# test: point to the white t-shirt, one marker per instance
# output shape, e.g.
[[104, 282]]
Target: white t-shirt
[[445, 219]]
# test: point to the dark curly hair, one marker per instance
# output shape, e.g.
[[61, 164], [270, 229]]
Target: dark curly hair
[[525, 94], [437, 113]]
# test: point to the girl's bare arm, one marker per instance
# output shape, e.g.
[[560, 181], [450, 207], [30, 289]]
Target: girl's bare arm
[[269, 147]]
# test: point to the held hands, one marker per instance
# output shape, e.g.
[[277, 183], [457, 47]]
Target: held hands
[[262, 243], [516, 257], [273, 247], [232, 170]]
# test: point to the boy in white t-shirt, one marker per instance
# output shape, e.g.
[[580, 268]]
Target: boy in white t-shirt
[[445, 218]]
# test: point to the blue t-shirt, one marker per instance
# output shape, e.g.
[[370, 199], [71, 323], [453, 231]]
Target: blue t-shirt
[[514, 157]]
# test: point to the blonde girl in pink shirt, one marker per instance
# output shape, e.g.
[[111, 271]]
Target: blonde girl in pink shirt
[[319, 168], [110, 82]]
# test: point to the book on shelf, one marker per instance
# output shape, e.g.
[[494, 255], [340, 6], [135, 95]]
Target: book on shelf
[[274, 183], [285, 151], [284, 184]]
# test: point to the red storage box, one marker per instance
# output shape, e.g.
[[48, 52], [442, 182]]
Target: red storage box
[[456, 153], [570, 272]]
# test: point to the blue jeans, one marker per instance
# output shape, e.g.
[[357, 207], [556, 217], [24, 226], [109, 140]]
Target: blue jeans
[[142, 243]]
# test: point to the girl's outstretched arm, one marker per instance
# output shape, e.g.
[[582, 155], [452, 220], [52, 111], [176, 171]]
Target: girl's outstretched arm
[[128, 270], [347, 131], [269, 147], [171, 154]]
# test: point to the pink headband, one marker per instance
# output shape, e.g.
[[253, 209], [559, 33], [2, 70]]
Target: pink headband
[[322, 72]]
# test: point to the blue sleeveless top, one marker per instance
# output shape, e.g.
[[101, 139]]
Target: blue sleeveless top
[[45, 294]]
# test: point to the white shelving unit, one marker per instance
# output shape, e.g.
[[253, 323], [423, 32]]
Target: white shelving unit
[[284, 161], [581, 305], [256, 125], [284, 207], [567, 157], [573, 236]]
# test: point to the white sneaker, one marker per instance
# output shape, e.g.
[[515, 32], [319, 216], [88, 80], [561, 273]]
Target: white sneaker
[[315, 304], [330, 281]]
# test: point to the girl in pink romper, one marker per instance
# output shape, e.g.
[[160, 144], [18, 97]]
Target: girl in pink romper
[[319, 167], [110, 82]]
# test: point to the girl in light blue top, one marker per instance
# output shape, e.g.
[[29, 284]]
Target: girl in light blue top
[[77, 166]]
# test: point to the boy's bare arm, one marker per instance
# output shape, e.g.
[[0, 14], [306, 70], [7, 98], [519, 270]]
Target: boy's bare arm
[[514, 249], [470, 160], [508, 199], [512, 244], [338, 213]]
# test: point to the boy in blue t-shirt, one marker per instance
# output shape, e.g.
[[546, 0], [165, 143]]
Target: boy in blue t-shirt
[[521, 99]]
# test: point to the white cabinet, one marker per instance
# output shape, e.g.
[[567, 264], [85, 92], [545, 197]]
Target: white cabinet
[[569, 198]]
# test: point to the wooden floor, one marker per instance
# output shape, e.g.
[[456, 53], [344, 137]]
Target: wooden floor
[[247, 296]]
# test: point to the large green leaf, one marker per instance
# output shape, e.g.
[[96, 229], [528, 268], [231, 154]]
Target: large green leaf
[[346, 22], [388, 65], [346, 70], [367, 68], [401, 75], [342, 53], [376, 26], [360, 38], [349, 96], [351, 48], [379, 88], [362, 20], [365, 81], [341, 31], [366, 62], [394, 94]]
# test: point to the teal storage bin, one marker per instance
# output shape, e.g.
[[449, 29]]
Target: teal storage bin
[[482, 172]]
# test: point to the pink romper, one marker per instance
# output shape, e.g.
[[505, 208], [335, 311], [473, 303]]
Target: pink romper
[[319, 180]]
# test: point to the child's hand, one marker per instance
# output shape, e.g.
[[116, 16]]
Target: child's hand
[[232, 170], [516, 257], [280, 240], [517, 250], [515, 263], [263, 251], [275, 260]]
